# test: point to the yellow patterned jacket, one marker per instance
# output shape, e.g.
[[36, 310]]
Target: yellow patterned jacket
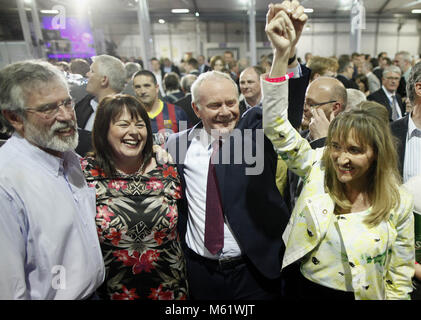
[[382, 258]]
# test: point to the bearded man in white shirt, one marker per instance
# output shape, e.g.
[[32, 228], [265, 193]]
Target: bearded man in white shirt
[[48, 236]]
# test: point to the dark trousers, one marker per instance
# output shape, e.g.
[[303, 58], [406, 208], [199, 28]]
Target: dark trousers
[[416, 294], [310, 290], [236, 280]]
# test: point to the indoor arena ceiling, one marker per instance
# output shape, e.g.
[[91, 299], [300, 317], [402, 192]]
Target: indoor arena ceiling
[[224, 9]]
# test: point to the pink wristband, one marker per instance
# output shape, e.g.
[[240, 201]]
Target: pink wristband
[[281, 79]]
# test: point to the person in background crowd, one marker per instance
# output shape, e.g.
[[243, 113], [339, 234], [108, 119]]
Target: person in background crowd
[[383, 62], [352, 188], [106, 76], [166, 118], [322, 67], [48, 239], [159, 76], [326, 94], [185, 102], [387, 95], [217, 63], [354, 98], [403, 60], [131, 69], [136, 228], [168, 66], [172, 87], [203, 67], [228, 58], [63, 66], [372, 80], [266, 62], [77, 79], [79, 66], [362, 82], [346, 71], [250, 88], [307, 58], [192, 67]]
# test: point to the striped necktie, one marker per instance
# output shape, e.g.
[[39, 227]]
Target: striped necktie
[[393, 105]]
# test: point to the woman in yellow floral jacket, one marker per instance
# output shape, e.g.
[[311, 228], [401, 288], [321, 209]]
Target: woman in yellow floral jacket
[[352, 228]]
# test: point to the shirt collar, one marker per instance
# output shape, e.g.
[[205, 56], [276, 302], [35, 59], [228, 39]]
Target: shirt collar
[[51, 163], [412, 129], [94, 104], [248, 106], [388, 94]]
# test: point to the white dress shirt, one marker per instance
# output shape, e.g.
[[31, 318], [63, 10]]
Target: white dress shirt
[[48, 237], [412, 161], [196, 165], [90, 123]]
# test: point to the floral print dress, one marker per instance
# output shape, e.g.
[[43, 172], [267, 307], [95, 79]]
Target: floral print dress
[[137, 229]]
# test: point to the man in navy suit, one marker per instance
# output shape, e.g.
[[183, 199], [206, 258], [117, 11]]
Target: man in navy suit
[[247, 265], [106, 76], [387, 94]]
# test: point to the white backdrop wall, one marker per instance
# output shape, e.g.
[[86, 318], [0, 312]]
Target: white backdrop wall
[[321, 37]]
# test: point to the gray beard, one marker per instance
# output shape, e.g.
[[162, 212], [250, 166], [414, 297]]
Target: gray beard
[[48, 139]]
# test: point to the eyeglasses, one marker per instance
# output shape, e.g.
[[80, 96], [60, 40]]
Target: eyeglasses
[[50, 110], [315, 105]]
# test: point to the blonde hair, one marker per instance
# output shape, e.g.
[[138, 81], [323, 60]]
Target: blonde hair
[[368, 124]]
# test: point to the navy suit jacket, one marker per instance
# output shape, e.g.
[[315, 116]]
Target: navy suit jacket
[[380, 97], [400, 129], [84, 110], [252, 204]]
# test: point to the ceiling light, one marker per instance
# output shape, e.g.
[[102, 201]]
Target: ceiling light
[[50, 11], [180, 10], [416, 11], [161, 21], [308, 10], [197, 14]]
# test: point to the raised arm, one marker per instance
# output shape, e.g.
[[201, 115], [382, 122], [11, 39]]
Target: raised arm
[[287, 142]]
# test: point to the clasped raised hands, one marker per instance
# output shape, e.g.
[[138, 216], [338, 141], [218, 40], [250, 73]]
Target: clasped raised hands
[[284, 24]]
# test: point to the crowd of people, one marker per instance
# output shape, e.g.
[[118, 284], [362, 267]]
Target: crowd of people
[[124, 181]]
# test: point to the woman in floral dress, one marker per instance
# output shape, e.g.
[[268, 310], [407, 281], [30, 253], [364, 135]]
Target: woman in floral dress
[[136, 206]]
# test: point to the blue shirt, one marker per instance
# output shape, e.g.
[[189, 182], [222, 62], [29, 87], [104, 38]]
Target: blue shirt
[[48, 238]]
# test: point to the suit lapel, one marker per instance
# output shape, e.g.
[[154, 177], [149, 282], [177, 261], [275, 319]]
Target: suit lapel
[[386, 102], [83, 111], [400, 103]]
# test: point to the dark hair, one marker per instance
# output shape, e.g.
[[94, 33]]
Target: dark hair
[[171, 81], [79, 66], [363, 79], [108, 110], [146, 73], [193, 62], [343, 62]]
